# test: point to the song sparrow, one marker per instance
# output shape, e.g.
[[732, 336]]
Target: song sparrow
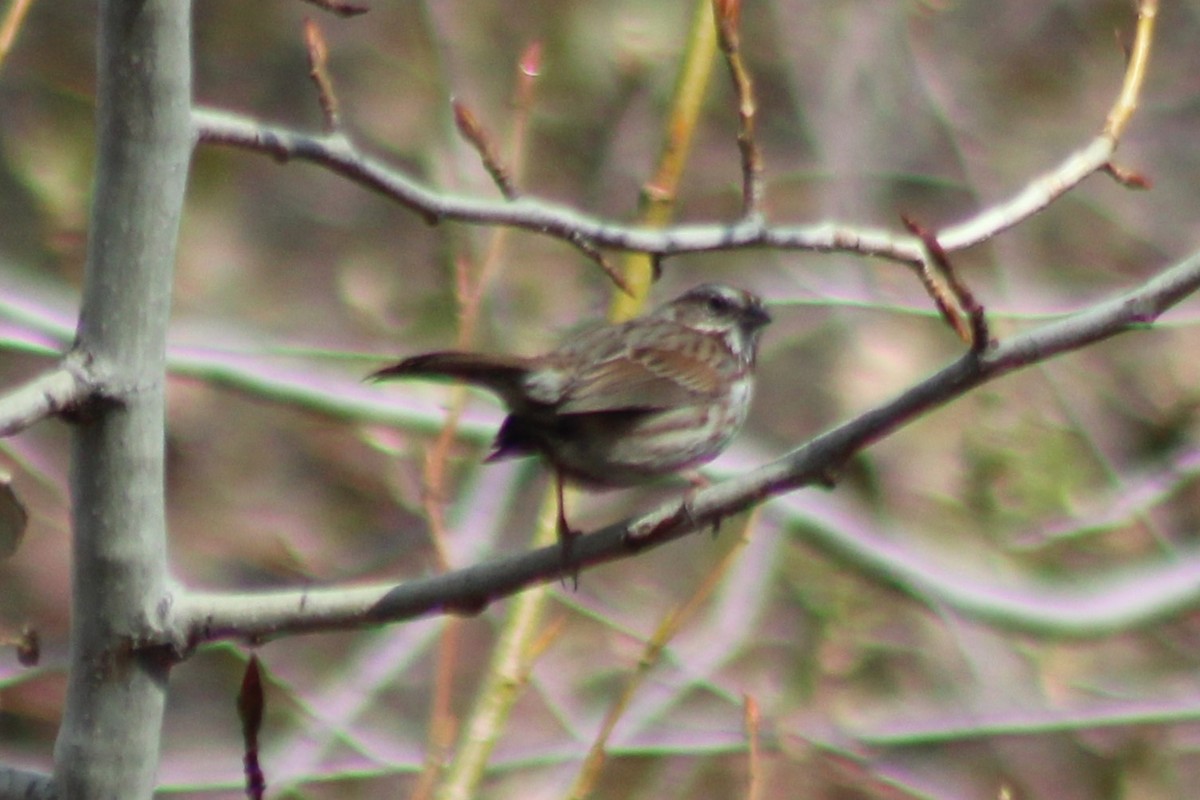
[[618, 405]]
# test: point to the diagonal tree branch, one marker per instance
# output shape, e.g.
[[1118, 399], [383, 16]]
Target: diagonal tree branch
[[1123, 601]]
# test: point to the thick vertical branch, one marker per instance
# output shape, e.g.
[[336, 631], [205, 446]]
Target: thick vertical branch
[[109, 740]]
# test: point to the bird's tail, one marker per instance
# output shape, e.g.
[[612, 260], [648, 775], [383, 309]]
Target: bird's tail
[[498, 373]]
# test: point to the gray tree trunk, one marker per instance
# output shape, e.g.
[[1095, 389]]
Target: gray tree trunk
[[108, 745]]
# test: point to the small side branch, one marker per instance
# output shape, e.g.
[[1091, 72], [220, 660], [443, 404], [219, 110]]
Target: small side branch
[[1095, 156], [472, 130], [1135, 72], [44, 396], [318, 71], [950, 294], [541, 216]]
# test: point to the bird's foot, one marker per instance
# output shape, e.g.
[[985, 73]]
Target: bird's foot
[[566, 541]]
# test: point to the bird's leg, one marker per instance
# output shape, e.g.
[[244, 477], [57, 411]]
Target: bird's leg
[[566, 536], [696, 482]]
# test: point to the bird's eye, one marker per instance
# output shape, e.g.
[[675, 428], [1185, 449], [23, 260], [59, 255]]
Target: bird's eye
[[719, 304]]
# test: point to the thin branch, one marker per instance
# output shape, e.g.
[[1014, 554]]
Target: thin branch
[[1095, 156], [540, 216], [1135, 72], [1127, 177], [245, 363], [589, 233], [318, 71], [752, 721], [728, 18], [1122, 602], [472, 130], [612, 273], [45, 396], [584, 230], [950, 294]]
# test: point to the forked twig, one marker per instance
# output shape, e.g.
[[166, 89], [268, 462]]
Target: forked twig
[[584, 231], [951, 296]]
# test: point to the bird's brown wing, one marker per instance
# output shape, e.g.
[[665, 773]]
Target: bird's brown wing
[[643, 378]]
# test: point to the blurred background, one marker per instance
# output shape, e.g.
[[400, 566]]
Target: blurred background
[[283, 471]]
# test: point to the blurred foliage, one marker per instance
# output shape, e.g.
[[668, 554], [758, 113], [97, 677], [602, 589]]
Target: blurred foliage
[[935, 109]]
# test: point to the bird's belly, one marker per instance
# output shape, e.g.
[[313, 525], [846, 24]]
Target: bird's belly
[[611, 450]]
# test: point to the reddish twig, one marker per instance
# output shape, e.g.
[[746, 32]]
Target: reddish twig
[[728, 15], [1127, 177], [318, 70], [595, 254], [477, 136], [974, 331], [250, 705], [752, 718]]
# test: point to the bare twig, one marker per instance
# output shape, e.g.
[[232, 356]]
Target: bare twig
[[1135, 72], [543, 217], [318, 70], [1094, 156], [1127, 177], [470, 129], [754, 767], [529, 69], [539, 216], [442, 723], [458, 769], [961, 300], [591, 234], [615, 275], [251, 703], [1123, 602], [728, 17]]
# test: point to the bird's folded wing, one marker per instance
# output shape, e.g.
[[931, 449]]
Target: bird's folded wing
[[643, 378]]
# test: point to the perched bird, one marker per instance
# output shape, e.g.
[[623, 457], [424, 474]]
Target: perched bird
[[620, 405]]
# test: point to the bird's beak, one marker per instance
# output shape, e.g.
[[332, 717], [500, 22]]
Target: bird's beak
[[757, 317]]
